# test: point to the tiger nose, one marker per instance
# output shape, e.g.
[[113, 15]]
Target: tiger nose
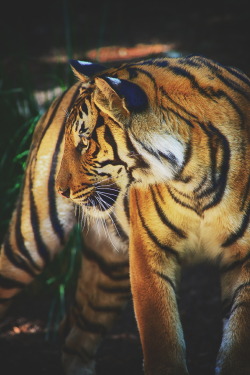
[[65, 193]]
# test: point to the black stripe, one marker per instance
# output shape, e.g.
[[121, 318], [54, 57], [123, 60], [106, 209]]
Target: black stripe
[[200, 185], [55, 222], [51, 118], [236, 293], [164, 218], [42, 249], [170, 157], [120, 230], [132, 73], [215, 69], [222, 180], [19, 236], [16, 259], [167, 279], [83, 188], [129, 145], [161, 63], [178, 105], [158, 155], [126, 206], [178, 71], [181, 203], [213, 184], [86, 325], [146, 73], [213, 158], [105, 308], [238, 74], [100, 120], [188, 122], [109, 162], [209, 91], [53, 214], [246, 194], [240, 231], [109, 138], [115, 270], [82, 193], [152, 236], [85, 169], [187, 157], [140, 163], [239, 289], [240, 304], [233, 265], [7, 283], [94, 154], [188, 61]]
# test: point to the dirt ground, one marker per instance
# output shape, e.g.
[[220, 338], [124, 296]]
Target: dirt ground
[[217, 29]]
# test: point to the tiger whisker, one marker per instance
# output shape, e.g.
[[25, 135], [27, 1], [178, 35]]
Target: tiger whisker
[[107, 194], [106, 187], [66, 112], [105, 205], [114, 225], [105, 179]]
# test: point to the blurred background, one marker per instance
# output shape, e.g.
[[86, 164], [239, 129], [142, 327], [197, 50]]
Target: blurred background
[[37, 39]]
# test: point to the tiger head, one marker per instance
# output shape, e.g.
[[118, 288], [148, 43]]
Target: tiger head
[[114, 138]]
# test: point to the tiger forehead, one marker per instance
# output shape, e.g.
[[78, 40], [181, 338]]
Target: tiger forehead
[[82, 115]]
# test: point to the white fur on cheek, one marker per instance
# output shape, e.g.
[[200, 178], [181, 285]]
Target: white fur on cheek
[[168, 146], [166, 157]]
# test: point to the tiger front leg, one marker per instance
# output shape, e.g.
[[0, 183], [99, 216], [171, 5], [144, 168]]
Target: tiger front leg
[[153, 270], [234, 353]]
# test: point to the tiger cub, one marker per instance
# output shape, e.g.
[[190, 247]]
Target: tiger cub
[[156, 155]]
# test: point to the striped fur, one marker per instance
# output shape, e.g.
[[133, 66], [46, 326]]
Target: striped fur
[[156, 158]]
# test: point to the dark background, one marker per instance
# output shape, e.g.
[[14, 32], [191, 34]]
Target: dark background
[[33, 30], [37, 38]]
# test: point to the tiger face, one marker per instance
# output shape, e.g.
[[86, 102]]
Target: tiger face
[[112, 141], [94, 172]]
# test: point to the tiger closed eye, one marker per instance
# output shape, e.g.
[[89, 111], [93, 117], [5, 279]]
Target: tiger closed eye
[[83, 144]]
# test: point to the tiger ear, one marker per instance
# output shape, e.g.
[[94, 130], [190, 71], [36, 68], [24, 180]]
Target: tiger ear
[[85, 69], [119, 97]]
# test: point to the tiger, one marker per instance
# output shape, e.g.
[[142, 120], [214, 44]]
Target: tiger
[[154, 156]]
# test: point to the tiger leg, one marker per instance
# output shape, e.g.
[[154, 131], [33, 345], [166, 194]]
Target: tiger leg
[[153, 274], [234, 353], [102, 292]]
